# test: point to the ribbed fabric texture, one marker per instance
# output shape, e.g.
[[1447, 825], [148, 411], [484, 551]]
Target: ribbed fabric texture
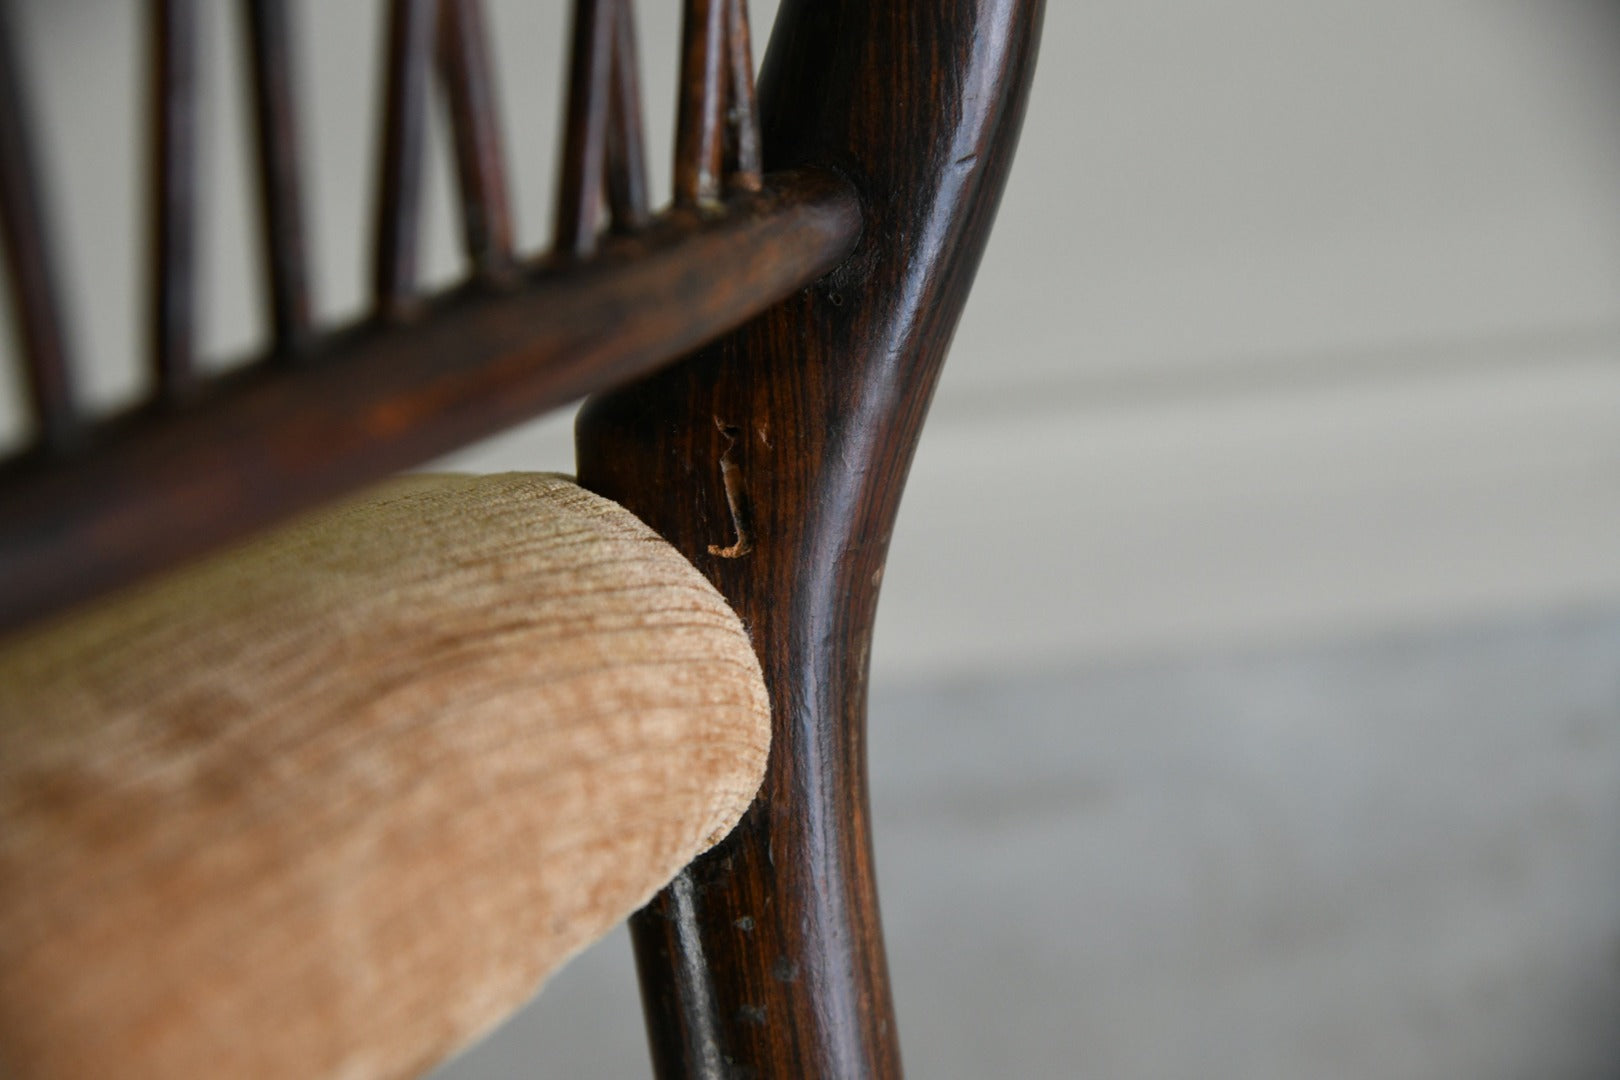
[[336, 803]]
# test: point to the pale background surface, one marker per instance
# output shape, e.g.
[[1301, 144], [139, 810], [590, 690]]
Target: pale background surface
[[1249, 661]]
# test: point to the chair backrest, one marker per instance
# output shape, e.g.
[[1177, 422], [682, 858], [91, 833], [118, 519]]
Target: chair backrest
[[97, 501]]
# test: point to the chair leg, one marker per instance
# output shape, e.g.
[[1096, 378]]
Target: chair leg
[[774, 459]]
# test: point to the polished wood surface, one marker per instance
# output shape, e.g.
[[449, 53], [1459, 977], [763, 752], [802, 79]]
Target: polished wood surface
[[469, 84], [165, 484], [700, 123], [717, 124], [397, 233], [628, 195], [281, 201], [581, 192], [743, 157], [774, 459], [174, 112]]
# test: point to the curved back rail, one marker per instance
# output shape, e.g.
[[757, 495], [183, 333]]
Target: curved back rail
[[95, 503]]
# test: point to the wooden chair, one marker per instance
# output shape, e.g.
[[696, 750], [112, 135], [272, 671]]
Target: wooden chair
[[760, 356]]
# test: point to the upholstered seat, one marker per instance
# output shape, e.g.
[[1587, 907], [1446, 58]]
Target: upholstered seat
[[335, 802]]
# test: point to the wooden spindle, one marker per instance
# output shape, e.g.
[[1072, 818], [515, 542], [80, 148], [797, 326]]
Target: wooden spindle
[[579, 189], [626, 152], [174, 187], [700, 118], [28, 263], [281, 211], [744, 158], [468, 78], [399, 200]]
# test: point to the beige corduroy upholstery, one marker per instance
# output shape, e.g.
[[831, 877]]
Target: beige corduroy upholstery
[[336, 803]]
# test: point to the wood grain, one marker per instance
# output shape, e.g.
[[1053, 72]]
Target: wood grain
[[765, 958], [333, 804]]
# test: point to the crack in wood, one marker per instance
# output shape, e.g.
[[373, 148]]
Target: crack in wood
[[736, 496]]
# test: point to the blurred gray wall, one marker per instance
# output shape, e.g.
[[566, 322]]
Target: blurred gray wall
[[1248, 660]]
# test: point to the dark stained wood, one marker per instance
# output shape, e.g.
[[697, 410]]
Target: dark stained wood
[[700, 119], [774, 459], [626, 145], [281, 211], [685, 1028], [584, 154], [743, 164], [28, 261], [399, 198], [174, 186], [162, 485], [469, 82]]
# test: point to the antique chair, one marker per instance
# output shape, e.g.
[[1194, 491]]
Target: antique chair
[[334, 799]]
